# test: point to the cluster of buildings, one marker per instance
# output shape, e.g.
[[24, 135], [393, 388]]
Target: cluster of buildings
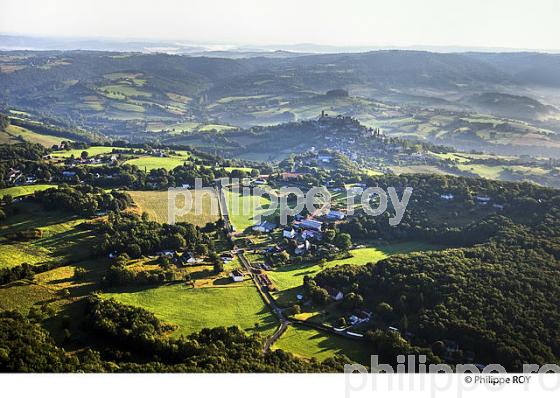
[[184, 259], [17, 177], [481, 199], [301, 232]]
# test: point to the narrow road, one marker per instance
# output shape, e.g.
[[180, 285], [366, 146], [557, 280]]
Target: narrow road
[[269, 300], [222, 204], [272, 339], [263, 290], [265, 294]]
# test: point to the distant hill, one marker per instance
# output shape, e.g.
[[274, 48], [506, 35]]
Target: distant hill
[[526, 68], [511, 106], [130, 95]]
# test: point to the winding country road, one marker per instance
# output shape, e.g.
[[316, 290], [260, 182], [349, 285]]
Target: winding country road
[[269, 300], [264, 292]]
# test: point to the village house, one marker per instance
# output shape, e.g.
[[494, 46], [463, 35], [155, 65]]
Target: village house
[[307, 234], [236, 275], [483, 199], [166, 253], [392, 329], [289, 176], [312, 224], [451, 349], [189, 258], [359, 317], [66, 174], [14, 175], [226, 257], [354, 191], [324, 158], [336, 295], [289, 233], [302, 247], [335, 215], [264, 226], [31, 180]]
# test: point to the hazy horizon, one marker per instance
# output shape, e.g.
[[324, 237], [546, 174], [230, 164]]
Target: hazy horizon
[[406, 24]]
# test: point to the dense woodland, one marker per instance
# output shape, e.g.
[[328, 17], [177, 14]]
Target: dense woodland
[[26, 347], [498, 298], [83, 200], [136, 236]]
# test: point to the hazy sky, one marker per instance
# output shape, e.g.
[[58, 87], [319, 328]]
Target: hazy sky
[[475, 23]]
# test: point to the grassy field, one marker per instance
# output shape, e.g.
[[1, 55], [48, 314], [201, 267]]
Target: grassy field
[[245, 169], [121, 91], [289, 279], [242, 209], [61, 239], [46, 290], [309, 343], [192, 309], [217, 127], [155, 204], [92, 151], [12, 135], [415, 169], [24, 189], [484, 171], [22, 295], [154, 162], [371, 172]]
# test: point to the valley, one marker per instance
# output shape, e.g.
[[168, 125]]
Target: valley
[[91, 142]]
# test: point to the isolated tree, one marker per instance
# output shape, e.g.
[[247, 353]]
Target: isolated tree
[[80, 273], [174, 242], [218, 267], [213, 257], [353, 301], [343, 241], [134, 250], [385, 311], [4, 122], [296, 309], [330, 235]]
